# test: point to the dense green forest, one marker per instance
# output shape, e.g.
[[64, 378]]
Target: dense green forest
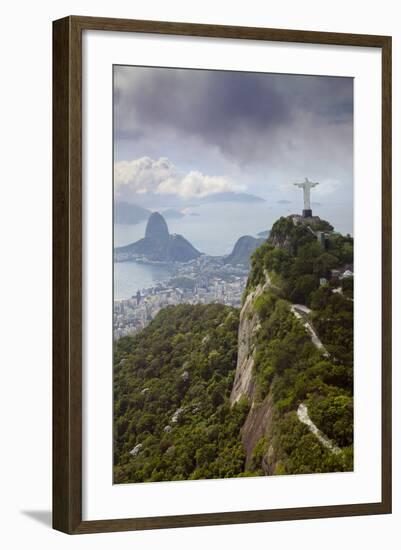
[[172, 384], [294, 255], [173, 419]]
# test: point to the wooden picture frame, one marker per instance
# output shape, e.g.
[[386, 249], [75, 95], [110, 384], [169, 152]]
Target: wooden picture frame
[[67, 274]]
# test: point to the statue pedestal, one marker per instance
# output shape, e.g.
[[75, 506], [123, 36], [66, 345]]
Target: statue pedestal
[[306, 213]]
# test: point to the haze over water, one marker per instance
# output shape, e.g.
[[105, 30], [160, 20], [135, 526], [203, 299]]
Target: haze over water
[[213, 232]]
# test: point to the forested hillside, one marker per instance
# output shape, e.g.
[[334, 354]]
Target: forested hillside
[[208, 391], [289, 366], [172, 383]]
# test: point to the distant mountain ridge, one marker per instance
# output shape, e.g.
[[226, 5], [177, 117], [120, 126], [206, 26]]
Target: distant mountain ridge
[[172, 213], [162, 202], [131, 214], [230, 196], [243, 250], [158, 244], [127, 213]]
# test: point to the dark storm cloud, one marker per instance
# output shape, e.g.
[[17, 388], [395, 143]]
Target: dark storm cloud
[[247, 116], [328, 97], [213, 106]]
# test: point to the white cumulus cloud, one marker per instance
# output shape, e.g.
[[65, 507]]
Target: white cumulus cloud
[[162, 177]]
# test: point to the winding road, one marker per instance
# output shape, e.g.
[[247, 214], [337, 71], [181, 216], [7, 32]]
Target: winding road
[[303, 416], [300, 311]]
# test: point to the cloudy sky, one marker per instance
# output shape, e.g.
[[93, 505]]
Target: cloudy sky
[[185, 134]]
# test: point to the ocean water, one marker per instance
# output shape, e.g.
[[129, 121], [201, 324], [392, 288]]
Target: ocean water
[[214, 231], [129, 277]]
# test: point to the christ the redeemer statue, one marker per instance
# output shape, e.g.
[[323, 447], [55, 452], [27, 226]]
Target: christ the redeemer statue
[[306, 186]]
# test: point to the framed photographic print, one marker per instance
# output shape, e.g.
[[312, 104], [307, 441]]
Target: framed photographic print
[[222, 350]]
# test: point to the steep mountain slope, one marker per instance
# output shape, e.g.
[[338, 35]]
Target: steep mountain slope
[[283, 369]]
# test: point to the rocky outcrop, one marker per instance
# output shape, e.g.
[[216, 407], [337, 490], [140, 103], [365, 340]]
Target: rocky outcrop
[[269, 413], [156, 229], [158, 245], [259, 420], [280, 241], [248, 327], [287, 231], [259, 424]]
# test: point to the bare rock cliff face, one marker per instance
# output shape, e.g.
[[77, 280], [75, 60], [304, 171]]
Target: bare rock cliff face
[[259, 420], [259, 423], [248, 327], [280, 241]]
